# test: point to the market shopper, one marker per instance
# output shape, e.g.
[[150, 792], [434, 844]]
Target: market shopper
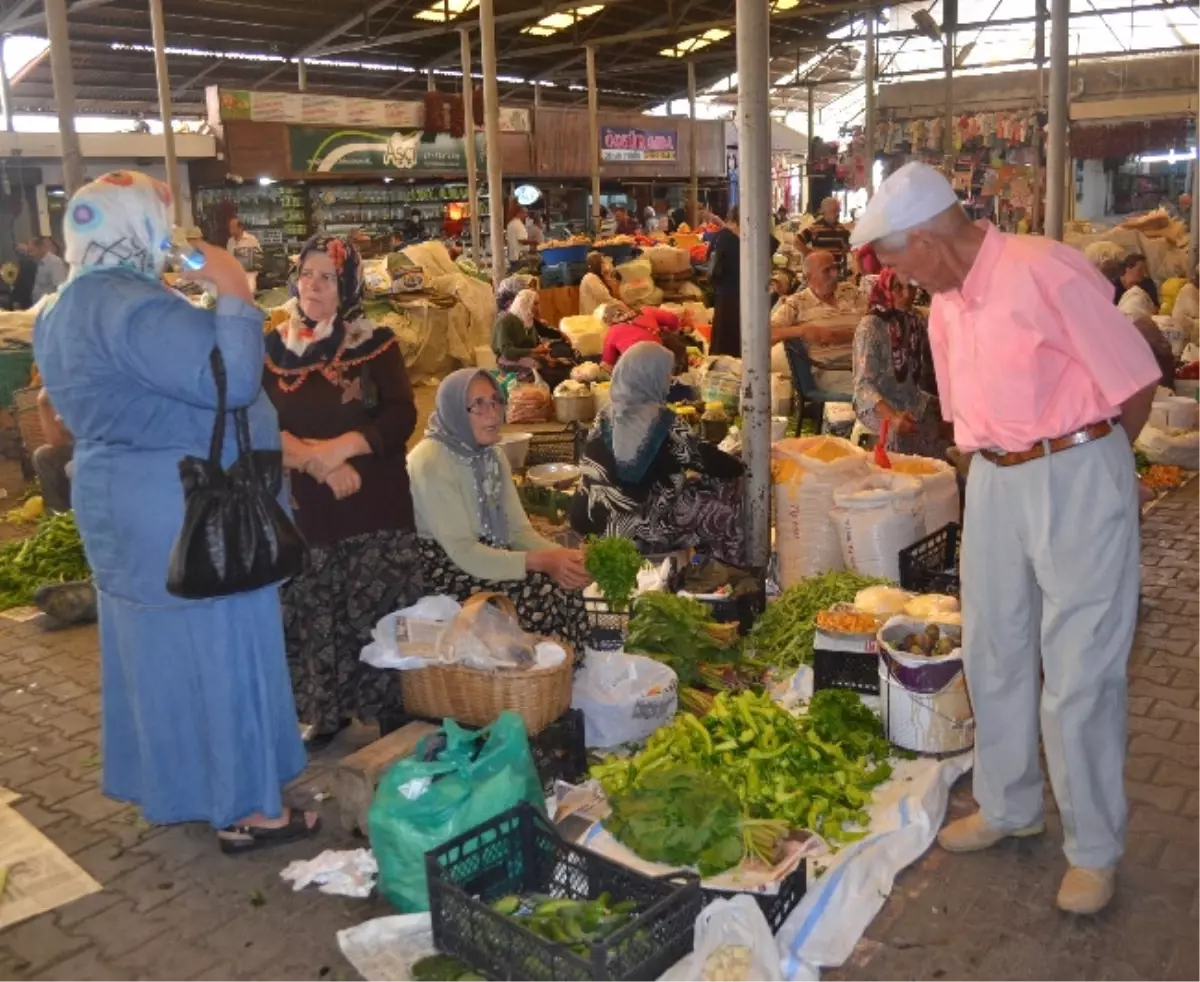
[[823, 321], [828, 234], [475, 535], [1135, 275], [646, 476], [893, 372], [346, 410], [52, 461], [516, 238], [1051, 398], [51, 270], [197, 717], [725, 275], [628, 327]]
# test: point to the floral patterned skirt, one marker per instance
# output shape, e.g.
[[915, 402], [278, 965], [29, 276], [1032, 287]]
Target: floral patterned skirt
[[328, 613], [543, 607]]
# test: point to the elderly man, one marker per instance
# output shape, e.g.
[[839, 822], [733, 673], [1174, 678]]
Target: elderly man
[[825, 324], [828, 234], [51, 270], [1051, 396]]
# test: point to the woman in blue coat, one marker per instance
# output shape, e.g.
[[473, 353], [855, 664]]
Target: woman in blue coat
[[198, 722]]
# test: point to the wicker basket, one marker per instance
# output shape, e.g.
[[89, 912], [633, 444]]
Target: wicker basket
[[29, 422], [476, 696]]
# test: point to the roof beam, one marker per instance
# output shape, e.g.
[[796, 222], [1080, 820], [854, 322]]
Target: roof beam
[[17, 24], [348, 24]]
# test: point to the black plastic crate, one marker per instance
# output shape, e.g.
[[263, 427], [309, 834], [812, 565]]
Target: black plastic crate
[[775, 908], [608, 627], [519, 852], [930, 565], [854, 670], [743, 609], [559, 447]]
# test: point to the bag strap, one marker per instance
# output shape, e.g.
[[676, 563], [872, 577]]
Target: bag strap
[[218, 434]]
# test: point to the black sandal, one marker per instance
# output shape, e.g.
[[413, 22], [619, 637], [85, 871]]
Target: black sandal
[[251, 837]]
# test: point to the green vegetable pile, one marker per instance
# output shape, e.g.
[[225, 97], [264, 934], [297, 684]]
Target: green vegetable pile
[[683, 817], [614, 563], [443, 968], [679, 632], [53, 554], [783, 635], [1141, 462], [814, 772]]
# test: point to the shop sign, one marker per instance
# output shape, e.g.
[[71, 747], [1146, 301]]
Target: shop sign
[[307, 109], [630, 144], [325, 151]]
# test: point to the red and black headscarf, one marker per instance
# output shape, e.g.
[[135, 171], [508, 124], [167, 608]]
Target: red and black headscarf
[[907, 331]]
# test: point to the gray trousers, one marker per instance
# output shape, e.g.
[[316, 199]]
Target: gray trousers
[[1050, 594], [50, 464]]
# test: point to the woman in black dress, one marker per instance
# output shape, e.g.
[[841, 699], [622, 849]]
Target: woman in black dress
[[346, 411], [725, 275]]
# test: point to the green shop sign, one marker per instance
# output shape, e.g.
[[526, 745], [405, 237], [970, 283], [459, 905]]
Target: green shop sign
[[321, 151]]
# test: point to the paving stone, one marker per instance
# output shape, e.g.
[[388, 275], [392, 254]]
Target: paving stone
[[1172, 772], [85, 965], [1165, 798], [1164, 729], [107, 860], [1140, 768], [19, 768], [92, 806], [121, 928], [78, 911], [39, 817], [39, 942], [55, 787], [1164, 693]]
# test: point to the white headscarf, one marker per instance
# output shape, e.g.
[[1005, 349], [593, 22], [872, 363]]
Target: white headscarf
[[637, 420], [522, 306], [121, 219]]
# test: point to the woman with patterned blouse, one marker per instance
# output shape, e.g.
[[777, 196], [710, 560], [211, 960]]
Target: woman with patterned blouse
[[893, 371], [346, 411]]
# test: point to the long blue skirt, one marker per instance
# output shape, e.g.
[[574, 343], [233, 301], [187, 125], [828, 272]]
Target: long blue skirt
[[198, 721]]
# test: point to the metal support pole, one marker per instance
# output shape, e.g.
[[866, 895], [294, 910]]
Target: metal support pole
[[754, 168], [1039, 58], [6, 103], [537, 95], [301, 75], [693, 153], [1194, 238], [430, 84], [1056, 152], [468, 93], [491, 132], [64, 93], [158, 32], [869, 81], [808, 202], [594, 137], [948, 121]]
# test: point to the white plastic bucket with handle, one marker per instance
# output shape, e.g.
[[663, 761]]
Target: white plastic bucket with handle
[[923, 701]]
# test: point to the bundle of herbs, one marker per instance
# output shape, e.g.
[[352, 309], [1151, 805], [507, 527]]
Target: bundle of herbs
[[613, 563], [53, 554], [814, 772], [680, 632]]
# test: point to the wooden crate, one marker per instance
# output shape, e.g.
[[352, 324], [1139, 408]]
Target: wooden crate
[[356, 777]]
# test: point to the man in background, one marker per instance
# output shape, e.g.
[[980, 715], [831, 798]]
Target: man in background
[[516, 237], [824, 324], [240, 239], [828, 234], [27, 268], [51, 270], [52, 460]]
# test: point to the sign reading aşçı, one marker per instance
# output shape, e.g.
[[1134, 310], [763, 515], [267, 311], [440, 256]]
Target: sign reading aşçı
[[316, 150], [629, 144]]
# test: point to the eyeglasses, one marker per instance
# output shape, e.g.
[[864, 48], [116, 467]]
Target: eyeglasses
[[481, 406]]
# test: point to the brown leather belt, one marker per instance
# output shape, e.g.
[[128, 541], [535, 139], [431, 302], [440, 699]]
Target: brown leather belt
[[1086, 435]]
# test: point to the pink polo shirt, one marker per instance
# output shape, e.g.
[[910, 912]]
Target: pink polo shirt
[[1031, 347]]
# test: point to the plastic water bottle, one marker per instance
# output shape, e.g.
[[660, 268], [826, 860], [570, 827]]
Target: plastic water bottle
[[184, 257]]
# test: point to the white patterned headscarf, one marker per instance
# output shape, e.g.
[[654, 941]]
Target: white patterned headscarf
[[121, 219], [636, 421]]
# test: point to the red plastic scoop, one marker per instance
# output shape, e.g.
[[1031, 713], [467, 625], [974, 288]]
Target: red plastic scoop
[[881, 457]]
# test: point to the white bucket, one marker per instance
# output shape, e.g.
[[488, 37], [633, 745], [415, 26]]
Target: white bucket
[[937, 722], [485, 358]]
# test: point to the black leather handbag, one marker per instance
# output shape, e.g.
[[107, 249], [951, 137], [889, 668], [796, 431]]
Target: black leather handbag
[[236, 537]]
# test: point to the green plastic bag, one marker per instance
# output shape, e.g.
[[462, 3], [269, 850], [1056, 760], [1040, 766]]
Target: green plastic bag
[[454, 781]]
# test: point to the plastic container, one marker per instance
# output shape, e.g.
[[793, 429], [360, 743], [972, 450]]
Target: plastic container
[[777, 906], [519, 852], [564, 254], [845, 662], [576, 408], [930, 565], [617, 253], [923, 700], [515, 447]]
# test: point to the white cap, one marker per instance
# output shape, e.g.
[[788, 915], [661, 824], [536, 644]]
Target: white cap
[[912, 195]]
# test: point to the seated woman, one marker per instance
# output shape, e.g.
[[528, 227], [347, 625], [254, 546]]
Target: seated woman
[[474, 533], [648, 478], [599, 284], [893, 372], [628, 327], [521, 340]]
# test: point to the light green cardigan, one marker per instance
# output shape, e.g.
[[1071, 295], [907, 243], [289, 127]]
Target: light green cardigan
[[444, 498]]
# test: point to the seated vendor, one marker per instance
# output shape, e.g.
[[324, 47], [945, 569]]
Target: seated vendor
[[474, 533], [521, 340], [647, 477], [822, 321], [628, 327], [599, 284]]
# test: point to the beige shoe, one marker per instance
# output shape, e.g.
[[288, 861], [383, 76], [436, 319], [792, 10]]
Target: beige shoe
[[973, 833], [1086, 891]]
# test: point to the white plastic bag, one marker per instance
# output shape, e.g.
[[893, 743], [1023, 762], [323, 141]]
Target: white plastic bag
[[875, 518], [409, 638], [734, 942], [623, 698], [1172, 447], [940, 484], [805, 473]]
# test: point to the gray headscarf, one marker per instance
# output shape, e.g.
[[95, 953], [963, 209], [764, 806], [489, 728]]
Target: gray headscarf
[[637, 421], [450, 425]]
